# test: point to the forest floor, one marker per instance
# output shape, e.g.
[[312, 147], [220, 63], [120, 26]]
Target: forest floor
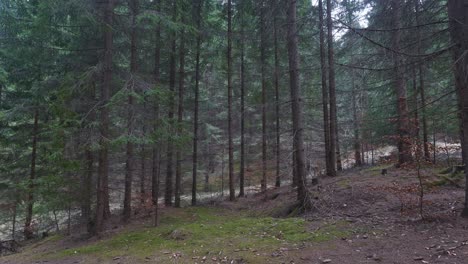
[[360, 216]]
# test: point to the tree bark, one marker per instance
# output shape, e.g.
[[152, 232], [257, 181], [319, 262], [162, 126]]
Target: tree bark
[[296, 104], [404, 144], [28, 230], [335, 152], [357, 141], [143, 157], [421, 90], [143, 172], [232, 195], [13, 221], [458, 21], [329, 162], [102, 203], [277, 104], [242, 106], [129, 166], [263, 73], [170, 144], [86, 188], [180, 116], [155, 173], [196, 100]]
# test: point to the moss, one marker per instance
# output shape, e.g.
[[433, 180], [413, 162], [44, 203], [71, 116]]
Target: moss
[[209, 230]]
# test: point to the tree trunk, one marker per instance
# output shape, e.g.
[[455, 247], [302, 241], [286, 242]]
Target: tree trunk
[[357, 141], [415, 110], [242, 106], [404, 144], [329, 161], [28, 230], [263, 73], [86, 189], [170, 144], [180, 116], [195, 111], [13, 221], [143, 172], [296, 104], [102, 203], [458, 17], [277, 104], [143, 158], [421, 66], [127, 209], [334, 148], [155, 173], [232, 195]]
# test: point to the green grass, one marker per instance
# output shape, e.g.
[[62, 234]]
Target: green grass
[[208, 230]]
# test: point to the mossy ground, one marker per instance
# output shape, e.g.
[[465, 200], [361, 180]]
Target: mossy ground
[[377, 170], [207, 232]]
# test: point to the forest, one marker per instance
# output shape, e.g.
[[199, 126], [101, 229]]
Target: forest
[[233, 131]]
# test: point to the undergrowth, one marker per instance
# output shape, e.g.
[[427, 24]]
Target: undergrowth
[[200, 231]]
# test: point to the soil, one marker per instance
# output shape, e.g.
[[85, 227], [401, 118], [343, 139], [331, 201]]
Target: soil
[[382, 212]]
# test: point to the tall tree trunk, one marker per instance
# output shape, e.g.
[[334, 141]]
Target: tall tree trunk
[[242, 106], [335, 157], [415, 111], [129, 166], [28, 230], [421, 90], [143, 158], [13, 221], [180, 116], [232, 195], [195, 110], [86, 187], [102, 203], [404, 144], [329, 153], [143, 172], [296, 104], [357, 140], [170, 144], [155, 173], [277, 104], [458, 17], [263, 73]]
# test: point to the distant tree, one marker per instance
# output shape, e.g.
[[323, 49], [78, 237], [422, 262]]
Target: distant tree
[[232, 195], [170, 144], [298, 140], [102, 203]]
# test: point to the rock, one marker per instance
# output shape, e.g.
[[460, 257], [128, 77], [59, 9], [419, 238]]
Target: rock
[[326, 261], [376, 258], [418, 258], [178, 235]]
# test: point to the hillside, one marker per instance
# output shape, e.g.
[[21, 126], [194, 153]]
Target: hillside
[[360, 216]]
